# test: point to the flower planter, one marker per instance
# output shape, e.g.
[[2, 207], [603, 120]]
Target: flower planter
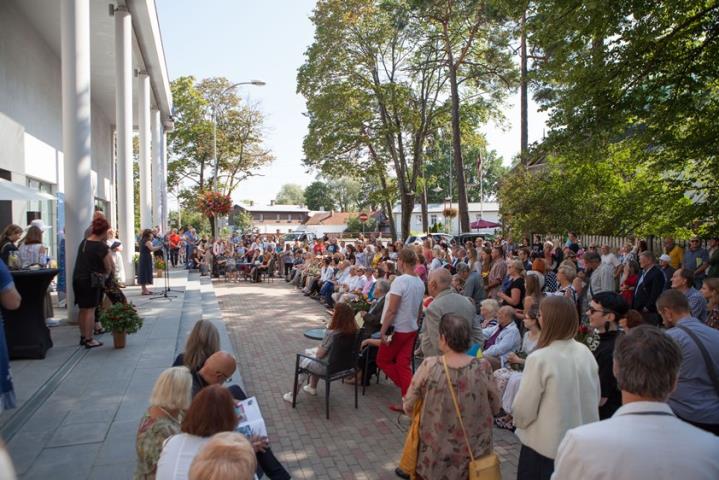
[[119, 339], [159, 273]]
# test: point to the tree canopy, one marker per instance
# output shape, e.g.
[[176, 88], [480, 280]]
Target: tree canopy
[[290, 194]]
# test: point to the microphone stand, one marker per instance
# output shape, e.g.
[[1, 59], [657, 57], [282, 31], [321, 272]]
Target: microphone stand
[[164, 294]]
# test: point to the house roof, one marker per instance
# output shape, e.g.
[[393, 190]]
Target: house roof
[[274, 208], [330, 218], [438, 207]]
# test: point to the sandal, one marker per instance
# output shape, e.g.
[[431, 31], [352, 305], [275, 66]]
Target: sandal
[[93, 343], [82, 341], [149, 292], [100, 331]]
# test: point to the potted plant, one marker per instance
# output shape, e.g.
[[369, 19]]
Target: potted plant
[[121, 319], [160, 266]]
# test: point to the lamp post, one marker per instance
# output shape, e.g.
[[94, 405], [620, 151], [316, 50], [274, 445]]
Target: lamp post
[[258, 83]]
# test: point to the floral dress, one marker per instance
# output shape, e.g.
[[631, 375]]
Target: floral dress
[[151, 434], [442, 450]]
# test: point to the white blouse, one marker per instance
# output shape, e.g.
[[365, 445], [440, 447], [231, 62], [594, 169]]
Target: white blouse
[[177, 455]]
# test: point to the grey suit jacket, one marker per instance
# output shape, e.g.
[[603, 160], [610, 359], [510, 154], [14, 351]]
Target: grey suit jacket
[[445, 302], [474, 289]]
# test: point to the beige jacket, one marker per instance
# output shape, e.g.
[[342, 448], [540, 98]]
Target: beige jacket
[[446, 301]]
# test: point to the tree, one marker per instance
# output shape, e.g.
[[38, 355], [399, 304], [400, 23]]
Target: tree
[[239, 132], [347, 193], [290, 194], [475, 40], [241, 220], [318, 196], [355, 226]]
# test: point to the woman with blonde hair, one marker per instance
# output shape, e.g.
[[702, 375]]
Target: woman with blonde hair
[[226, 456], [559, 389], [513, 294], [203, 341], [170, 399]]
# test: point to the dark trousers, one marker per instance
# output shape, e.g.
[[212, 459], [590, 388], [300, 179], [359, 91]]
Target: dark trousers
[[534, 466], [265, 460], [174, 253], [288, 269], [326, 292]]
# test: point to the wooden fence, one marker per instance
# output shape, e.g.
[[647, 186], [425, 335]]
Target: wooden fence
[[655, 244]]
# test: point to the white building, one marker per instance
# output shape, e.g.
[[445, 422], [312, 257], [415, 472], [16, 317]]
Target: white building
[[329, 223], [77, 77], [477, 211], [275, 218]]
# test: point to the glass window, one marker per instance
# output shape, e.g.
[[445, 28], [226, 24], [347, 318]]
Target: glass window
[[44, 210], [433, 219]]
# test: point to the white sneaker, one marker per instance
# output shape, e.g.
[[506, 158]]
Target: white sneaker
[[52, 322], [287, 397], [310, 390]]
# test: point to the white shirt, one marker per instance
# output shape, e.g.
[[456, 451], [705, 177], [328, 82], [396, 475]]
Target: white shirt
[[611, 259], [358, 283], [411, 290], [509, 340], [177, 455], [559, 391], [636, 445]]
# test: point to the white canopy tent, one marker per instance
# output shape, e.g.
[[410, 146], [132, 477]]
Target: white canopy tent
[[15, 191]]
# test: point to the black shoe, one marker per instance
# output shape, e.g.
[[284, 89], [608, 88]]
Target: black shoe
[[401, 473]]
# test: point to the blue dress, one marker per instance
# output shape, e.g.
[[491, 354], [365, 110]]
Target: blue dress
[[7, 392]]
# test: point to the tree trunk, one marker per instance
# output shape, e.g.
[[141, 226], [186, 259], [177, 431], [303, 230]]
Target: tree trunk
[[457, 148], [524, 138], [423, 200], [212, 224], [407, 203]]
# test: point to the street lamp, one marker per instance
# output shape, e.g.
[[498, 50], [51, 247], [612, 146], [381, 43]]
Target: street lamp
[[257, 83]]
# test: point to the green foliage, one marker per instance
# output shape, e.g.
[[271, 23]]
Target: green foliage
[[241, 220], [121, 317], [192, 218], [290, 194], [318, 196], [355, 226], [240, 138]]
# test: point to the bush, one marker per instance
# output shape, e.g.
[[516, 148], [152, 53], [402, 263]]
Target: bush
[[121, 317]]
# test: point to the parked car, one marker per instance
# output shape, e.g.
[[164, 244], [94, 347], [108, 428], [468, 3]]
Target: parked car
[[437, 237], [462, 238], [302, 236]]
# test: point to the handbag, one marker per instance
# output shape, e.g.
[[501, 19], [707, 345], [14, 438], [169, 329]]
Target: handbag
[[485, 468], [97, 279], [410, 451]]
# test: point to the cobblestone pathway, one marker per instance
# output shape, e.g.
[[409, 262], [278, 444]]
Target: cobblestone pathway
[[265, 322]]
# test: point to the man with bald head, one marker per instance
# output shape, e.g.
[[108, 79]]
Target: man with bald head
[[446, 301], [216, 371]]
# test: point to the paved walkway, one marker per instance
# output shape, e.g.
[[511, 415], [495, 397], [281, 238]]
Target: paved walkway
[[79, 409], [266, 322]]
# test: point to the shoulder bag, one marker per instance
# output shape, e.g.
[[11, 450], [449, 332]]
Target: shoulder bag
[[485, 468], [711, 371], [410, 451]]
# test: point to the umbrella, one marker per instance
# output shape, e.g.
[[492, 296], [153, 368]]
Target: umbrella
[[484, 224], [16, 191]]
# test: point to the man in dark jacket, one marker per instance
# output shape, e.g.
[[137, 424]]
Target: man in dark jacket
[[649, 287]]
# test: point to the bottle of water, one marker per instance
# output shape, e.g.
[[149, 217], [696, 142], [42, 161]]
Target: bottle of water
[[13, 260]]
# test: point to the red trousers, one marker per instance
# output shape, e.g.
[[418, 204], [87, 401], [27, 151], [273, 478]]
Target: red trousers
[[395, 359]]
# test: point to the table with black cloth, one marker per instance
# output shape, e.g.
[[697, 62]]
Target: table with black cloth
[[26, 334]]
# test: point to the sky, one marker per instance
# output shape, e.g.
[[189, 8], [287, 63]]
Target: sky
[[265, 40]]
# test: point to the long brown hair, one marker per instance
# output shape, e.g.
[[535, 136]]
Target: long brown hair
[[713, 284], [203, 341], [8, 231], [33, 236], [343, 320], [559, 320], [211, 411]]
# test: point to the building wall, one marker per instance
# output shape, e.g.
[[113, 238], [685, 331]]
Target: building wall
[[31, 113], [416, 222], [322, 229]]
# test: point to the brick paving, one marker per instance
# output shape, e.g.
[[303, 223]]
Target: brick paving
[[266, 324]]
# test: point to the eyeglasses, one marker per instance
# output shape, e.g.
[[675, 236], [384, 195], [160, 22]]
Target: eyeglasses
[[595, 310]]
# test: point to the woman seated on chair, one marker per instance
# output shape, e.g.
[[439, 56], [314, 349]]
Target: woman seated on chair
[[261, 263], [342, 323]]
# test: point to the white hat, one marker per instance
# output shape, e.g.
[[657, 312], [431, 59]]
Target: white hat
[[39, 223], [665, 258]]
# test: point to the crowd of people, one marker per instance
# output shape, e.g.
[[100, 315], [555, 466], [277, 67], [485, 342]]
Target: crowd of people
[[526, 336]]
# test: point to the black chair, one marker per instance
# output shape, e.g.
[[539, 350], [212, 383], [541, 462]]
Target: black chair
[[270, 272], [341, 361]]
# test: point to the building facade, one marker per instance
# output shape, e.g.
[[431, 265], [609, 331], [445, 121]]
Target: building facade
[[78, 78], [275, 218], [477, 211]]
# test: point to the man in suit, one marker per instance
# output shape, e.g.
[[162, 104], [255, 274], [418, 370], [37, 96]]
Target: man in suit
[[445, 301], [473, 285], [646, 365], [649, 287], [373, 317]]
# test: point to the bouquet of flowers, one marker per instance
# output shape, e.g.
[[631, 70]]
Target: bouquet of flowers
[[121, 317], [360, 304], [587, 336], [213, 203]]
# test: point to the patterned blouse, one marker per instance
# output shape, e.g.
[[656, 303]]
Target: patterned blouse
[[151, 434], [713, 318], [442, 450]]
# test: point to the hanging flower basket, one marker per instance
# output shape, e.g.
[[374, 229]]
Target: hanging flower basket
[[449, 212], [214, 204]]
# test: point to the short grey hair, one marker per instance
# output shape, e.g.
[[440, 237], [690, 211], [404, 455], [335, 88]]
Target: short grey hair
[[649, 255], [568, 270], [647, 362], [457, 332], [383, 285], [461, 267]]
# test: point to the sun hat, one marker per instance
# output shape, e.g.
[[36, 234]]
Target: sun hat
[[665, 258], [39, 223]]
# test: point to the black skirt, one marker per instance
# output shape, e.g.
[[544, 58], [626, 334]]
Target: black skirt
[[85, 295]]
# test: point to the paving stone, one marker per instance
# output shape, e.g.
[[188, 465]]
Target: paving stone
[[64, 463], [79, 433]]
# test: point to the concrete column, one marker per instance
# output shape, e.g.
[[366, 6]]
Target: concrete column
[[143, 110], [76, 131], [165, 209], [156, 168], [123, 120]]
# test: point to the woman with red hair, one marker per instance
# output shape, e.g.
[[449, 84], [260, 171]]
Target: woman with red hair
[[92, 265]]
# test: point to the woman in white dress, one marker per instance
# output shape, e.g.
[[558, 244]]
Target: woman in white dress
[[116, 250]]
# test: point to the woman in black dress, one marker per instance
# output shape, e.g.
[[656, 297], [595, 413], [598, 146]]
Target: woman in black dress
[[92, 266], [144, 273]]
